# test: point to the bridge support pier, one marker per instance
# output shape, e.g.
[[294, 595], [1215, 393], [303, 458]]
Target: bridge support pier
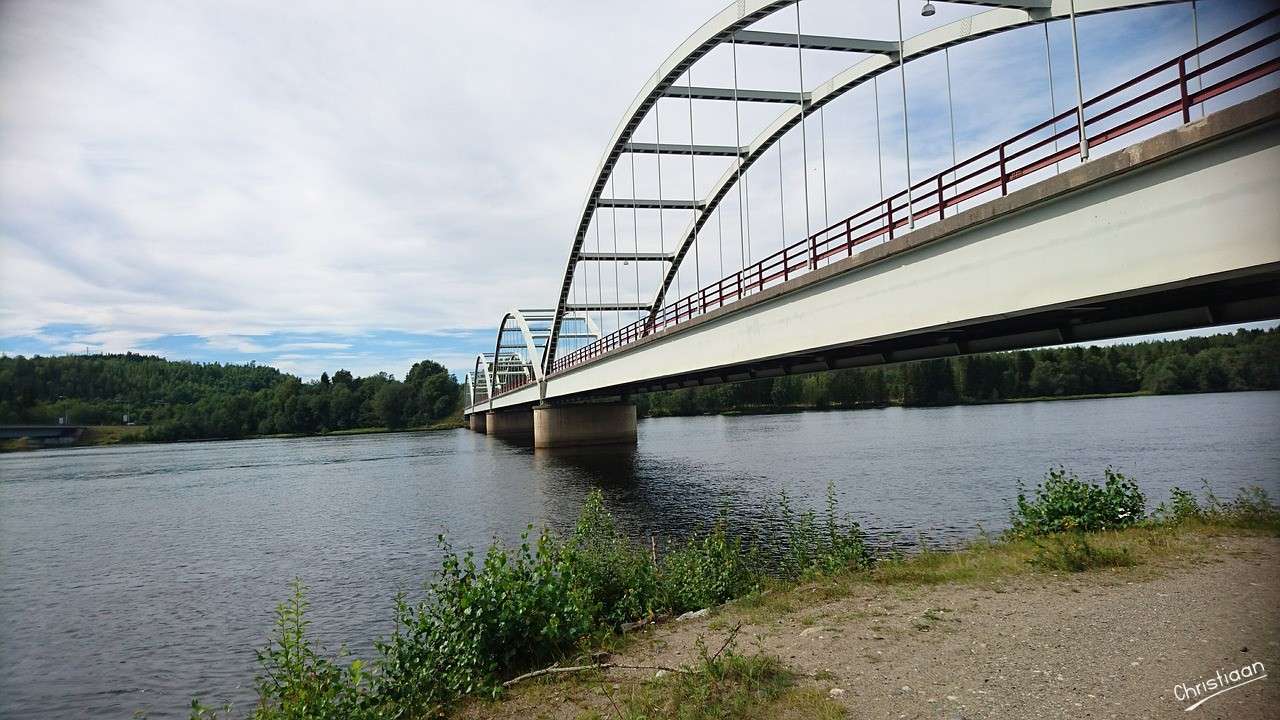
[[477, 421], [509, 424], [576, 425]]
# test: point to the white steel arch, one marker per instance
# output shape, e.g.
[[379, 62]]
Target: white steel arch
[[730, 24], [481, 370]]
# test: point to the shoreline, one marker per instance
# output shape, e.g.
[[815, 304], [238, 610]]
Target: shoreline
[[455, 421], [114, 440]]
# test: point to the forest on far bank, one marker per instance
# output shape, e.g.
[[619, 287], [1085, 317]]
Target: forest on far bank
[[1244, 360], [181, 400]]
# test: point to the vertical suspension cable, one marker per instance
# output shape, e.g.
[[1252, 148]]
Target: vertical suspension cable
[[662, 228], [1053, 99], [635, 229], [906, 127], [875, 86], [951, 111], [720, 241], [599, 277], [693, 186], [804, 138], [1195, 36], [617, 285], [782, 200], [822, 133], [1075, 51], [743, 234]]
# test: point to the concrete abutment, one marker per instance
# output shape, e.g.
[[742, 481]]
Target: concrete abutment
[[477, 421]]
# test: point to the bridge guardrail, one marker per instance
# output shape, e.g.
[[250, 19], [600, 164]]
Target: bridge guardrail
[[994, 169]]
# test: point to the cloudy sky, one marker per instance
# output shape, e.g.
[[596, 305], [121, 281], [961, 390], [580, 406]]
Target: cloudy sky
[[316, 185]]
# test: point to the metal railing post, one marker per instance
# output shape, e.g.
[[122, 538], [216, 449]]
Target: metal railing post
[[1004, 181], [1182, 88]]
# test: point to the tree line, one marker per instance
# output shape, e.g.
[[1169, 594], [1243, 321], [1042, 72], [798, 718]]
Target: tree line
[[178, 400], [1245, 360]]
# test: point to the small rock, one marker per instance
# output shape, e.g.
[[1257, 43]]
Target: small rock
[[661, 673], [808, 631], [694, 614], [836, 693], [632, 626]]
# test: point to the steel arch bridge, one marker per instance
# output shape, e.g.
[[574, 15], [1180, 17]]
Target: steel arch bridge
[[534, 346]]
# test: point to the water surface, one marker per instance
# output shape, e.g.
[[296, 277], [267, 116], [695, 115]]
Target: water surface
[[134, 577]]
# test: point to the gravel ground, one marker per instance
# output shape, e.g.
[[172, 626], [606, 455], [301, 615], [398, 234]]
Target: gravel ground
[[1103, 644]]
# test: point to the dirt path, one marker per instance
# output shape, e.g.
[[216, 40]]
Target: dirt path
[[1104, 644]]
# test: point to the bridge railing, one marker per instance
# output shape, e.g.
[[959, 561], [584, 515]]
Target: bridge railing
[[1165, 90]]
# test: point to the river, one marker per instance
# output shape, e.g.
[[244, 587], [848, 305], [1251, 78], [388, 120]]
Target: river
[[132, 578]]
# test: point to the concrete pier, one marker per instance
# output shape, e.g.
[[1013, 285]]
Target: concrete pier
[[509, 424], [577, 425], [477, 421]]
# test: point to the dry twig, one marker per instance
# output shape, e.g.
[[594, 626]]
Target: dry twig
[[556, 669]]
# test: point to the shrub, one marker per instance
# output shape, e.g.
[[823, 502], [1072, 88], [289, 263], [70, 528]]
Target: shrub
[[299, 680], [514, 609], [1251, 508], [1064, 502], [1182, 506], [707, 571], [813, 549], [615, 578]]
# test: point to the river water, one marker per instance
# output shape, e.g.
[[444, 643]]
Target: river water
[[132, 578]]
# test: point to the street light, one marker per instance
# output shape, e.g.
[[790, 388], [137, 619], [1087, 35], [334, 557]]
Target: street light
[[928, 10]]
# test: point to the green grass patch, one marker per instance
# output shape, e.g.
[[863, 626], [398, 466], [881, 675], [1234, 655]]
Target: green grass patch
[[730, 686]]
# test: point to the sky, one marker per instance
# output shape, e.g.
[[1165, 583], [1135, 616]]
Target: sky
[[329, 185]]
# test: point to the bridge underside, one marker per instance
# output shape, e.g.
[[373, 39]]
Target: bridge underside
[[1176, 232]]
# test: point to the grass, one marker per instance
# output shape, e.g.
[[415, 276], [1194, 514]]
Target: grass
[[730, 686]]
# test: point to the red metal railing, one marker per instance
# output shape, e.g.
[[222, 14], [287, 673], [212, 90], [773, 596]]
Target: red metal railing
[[984, 173]]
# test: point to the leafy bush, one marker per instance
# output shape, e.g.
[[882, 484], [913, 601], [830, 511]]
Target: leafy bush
[[1064, 502], [813, 549], [1182, 506], [513, 609], [299, 677], [616, 578], [707, 571]]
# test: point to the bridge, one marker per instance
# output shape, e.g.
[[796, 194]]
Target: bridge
[[1148, 207]]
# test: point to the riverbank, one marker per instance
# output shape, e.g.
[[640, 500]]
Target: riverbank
[[103, 435], [570, 607], [978, 633]]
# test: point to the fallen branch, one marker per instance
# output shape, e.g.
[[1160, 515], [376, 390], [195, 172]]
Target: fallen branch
[[727, 641], [556, 669]]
